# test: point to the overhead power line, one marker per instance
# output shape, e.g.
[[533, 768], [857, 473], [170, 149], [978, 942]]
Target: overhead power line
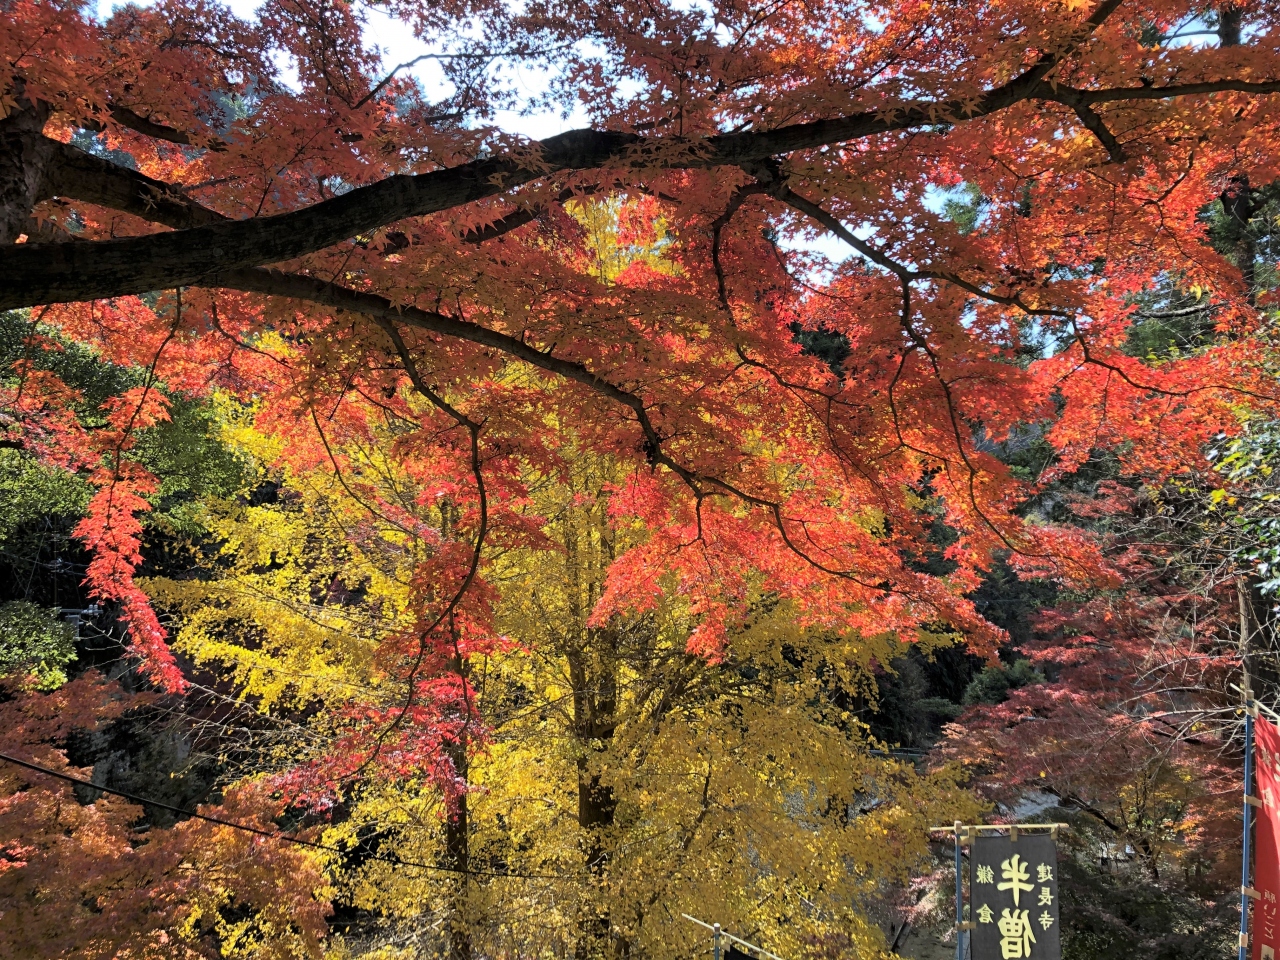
[[277, 835]]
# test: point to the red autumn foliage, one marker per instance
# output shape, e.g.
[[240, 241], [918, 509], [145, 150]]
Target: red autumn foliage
[[1135, 723], [357, 256], [82, 881]]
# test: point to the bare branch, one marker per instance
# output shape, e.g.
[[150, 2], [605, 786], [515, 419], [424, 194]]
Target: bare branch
[[381, 85], [815, 212], [156, 131], [1174, 314], [1094, 123]]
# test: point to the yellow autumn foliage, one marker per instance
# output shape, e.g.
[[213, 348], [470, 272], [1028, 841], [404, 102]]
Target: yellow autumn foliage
[[623, 781]]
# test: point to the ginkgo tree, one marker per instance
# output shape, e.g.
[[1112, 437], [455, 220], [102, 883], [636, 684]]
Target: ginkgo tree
[[606, 777]]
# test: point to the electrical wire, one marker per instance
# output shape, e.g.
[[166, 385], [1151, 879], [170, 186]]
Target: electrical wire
[[283, 837]]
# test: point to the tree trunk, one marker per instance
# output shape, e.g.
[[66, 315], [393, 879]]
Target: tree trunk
[[596, 806], [595, 700], [24, 156], [1229, 18], [1238, 201], [457, 835], [1257, 638], [458, 856]]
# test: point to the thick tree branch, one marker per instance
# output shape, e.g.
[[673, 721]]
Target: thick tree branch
[[299, 287], [512, 221], [149, 128], [112, 268], [518, 218], [112, 185], [1095, 125], [77, 175], [1072, 96], [202, 255], [24, 161]]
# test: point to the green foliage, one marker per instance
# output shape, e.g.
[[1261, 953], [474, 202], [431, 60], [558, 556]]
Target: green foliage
[[896, 717], [1177, 323], [910, 706], [830, 346], [1259, 235], [1011, 602], [1174, 320], [75, 364], [35, 645], [993, 684], [193, 464], [1113, 912], [939, 708], [31, 492], [964, 207], [185, 452], [1250, 504]]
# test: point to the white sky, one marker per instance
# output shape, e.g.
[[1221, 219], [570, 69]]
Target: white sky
[[398, 45]]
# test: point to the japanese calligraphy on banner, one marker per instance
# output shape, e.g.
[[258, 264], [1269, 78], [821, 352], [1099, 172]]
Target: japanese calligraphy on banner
[[1266, 863], [1013, 898]]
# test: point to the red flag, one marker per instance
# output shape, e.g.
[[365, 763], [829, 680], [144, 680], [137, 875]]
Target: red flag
[[1266, 862]]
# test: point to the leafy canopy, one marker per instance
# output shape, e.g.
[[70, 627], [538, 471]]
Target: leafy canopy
[[434, 349]]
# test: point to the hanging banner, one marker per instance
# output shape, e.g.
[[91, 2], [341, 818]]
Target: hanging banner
[[1266, 863], [1013, 898]]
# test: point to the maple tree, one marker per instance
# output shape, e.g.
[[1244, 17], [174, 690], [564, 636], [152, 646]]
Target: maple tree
[[1130, 721], [419, 324], [1130, 729], [607, 775], [673, 370], [81, 880]]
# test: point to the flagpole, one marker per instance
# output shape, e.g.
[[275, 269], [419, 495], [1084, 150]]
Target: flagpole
[[959, 900], [1248, 823]]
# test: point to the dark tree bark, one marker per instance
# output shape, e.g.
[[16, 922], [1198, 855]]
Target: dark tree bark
[[202, 255], [593, 675], [1239, 204], [1238, 200], [24, 159], [1229, 22], [458, 856], [457, 828]]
